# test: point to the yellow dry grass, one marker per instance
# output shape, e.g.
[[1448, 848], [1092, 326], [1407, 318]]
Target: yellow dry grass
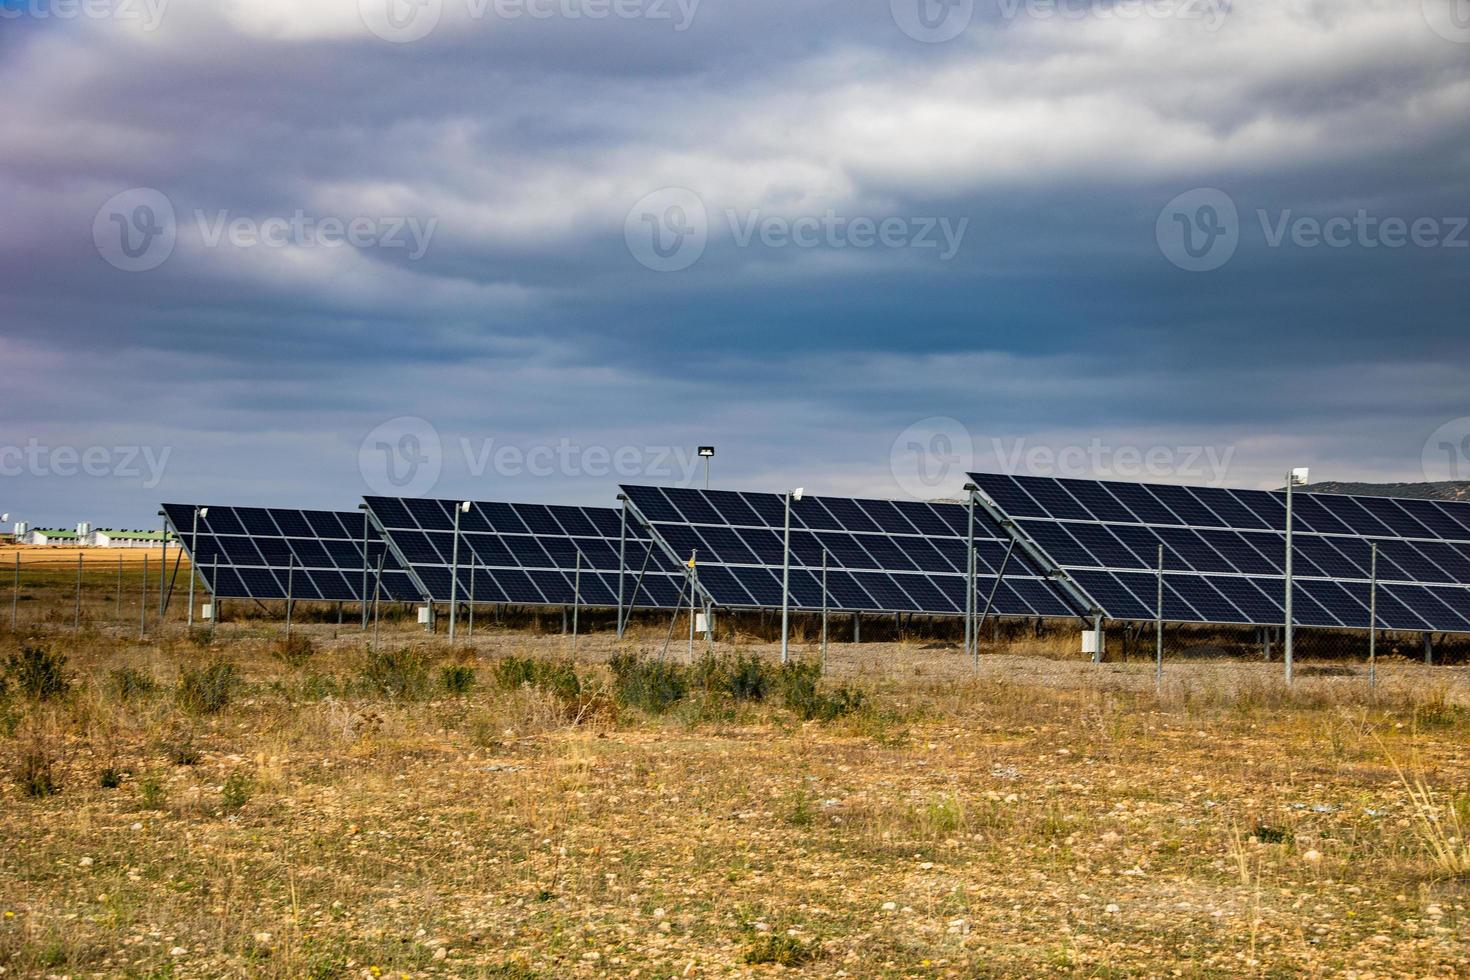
[[1043, 816]]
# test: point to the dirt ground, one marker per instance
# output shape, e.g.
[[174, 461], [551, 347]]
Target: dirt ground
[[1041, 815]]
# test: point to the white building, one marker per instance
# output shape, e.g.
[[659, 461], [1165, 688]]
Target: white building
[[53, 536], [113, 538]]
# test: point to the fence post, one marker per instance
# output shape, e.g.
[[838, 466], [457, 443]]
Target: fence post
[[576, 601], [118, 613], [143, 601], [76, 625], [1159, 627], [1373, 619], [290, 585], [824, 610], [15, 595]]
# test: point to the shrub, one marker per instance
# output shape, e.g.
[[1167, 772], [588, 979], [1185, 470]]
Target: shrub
[[111, 777], [235, 793], [128, 683], [548, 675], [652, 685], [802, 694], [35, 771], [745, 677], [457, 678], [151, 794], [181, 748], [38, 673], [207, 690], [295, 650], [781, 949], [397, 674]]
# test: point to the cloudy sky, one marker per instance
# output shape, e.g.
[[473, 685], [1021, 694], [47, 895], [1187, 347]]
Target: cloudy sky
[[289, 252]]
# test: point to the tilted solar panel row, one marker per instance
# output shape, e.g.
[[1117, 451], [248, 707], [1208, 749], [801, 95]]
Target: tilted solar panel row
[[1224, 552], [881, 555], [264, 553], [527, 554]]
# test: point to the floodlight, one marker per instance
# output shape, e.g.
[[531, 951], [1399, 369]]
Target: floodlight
[[465, 507], [796, 494], [1299, 476], [706, 450]]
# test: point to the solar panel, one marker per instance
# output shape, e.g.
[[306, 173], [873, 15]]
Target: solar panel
[[527, 554], [1224, 551], [260, 553], [882, 555]]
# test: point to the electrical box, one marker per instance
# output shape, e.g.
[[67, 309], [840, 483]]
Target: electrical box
[[206, 612], [1091, 642], [423, 615], [704, 623]]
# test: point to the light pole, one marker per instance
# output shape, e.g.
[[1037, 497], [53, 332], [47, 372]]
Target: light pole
[[462, 508], [786, 577], [1297, 477], [708, 453], [194, 558]]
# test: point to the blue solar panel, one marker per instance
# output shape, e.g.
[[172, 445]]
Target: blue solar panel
[[1224, 551], [881, 555], [261, 552], [527, 554]]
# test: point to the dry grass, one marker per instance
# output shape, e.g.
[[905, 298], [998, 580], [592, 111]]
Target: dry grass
[[342, 816]]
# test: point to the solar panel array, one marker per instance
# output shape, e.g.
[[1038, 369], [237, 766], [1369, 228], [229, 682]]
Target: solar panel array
[[526, 554], [882, 555], [258, 553], [1224, 551]]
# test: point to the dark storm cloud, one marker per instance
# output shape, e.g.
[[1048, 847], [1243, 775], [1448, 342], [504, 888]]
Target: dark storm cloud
[[1058, 321]]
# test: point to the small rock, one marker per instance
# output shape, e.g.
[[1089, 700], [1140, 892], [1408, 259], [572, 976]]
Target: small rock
[[1111, 909], [889, 906], [177, 951], [1313, 856], [85, 862]]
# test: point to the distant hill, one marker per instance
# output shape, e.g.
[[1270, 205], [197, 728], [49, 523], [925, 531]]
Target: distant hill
[[1446, 490]]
